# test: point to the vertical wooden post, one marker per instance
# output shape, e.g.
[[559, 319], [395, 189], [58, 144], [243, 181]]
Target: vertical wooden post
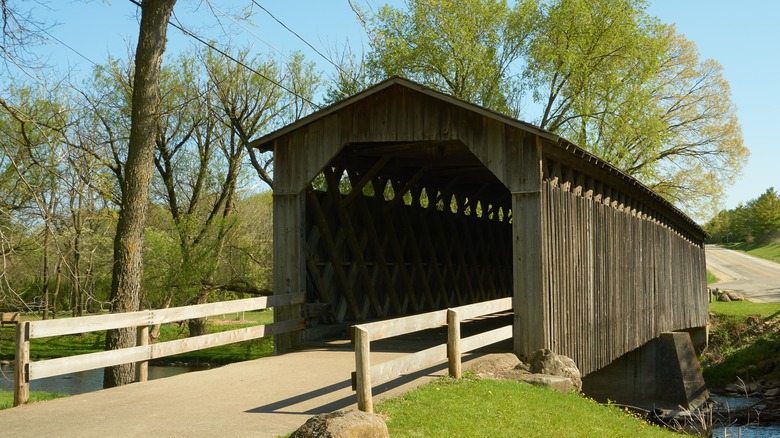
[[142, 367], [22, 372], [453, 343], [530, 300], [289, 262], [363, 370]]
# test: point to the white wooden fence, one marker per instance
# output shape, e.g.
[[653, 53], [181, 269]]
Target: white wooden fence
[[367, 375], [26, 371]]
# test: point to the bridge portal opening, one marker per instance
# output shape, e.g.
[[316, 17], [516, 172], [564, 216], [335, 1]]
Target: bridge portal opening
[[399, 228]]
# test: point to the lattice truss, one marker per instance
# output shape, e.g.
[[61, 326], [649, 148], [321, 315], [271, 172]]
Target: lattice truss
[[378, 246]]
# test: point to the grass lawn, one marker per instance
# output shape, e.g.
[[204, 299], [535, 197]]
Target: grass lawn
[[480, 408], [742, 334], [743, 309], [7, 397], [769, 251], [711, 279]]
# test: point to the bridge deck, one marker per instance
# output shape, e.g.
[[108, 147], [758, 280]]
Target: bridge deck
[[265, 397]]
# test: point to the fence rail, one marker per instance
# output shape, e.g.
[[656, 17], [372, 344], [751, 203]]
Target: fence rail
[[366, 375], [27, 371]]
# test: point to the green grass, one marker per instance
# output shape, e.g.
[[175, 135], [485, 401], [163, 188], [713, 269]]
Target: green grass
[[7, 397], [711, 279], [743, 309], [71, 345], [479, 408], [768, 251], [742, 334]]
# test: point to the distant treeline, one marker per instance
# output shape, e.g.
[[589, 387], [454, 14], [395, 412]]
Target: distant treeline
[[758, 220]]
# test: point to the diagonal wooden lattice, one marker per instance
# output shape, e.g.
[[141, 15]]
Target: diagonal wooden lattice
[[377, 247]]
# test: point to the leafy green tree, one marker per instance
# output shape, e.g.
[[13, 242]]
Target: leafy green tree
[[465, 48], [765, 212], [603, 73]]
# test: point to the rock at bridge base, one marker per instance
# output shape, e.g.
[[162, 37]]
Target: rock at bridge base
[[544, 361], [506, 366], [343, 424], [556, 383]]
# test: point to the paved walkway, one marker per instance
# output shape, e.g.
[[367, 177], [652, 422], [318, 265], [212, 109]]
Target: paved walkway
[[261, 398]]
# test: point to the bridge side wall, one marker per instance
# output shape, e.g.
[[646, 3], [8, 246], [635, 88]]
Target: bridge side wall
[[614, 280]]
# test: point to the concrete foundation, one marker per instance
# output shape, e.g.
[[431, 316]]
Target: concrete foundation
[[664, 373]]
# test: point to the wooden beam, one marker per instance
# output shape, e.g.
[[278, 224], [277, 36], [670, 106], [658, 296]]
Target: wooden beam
[[530, 298], [357, 189]]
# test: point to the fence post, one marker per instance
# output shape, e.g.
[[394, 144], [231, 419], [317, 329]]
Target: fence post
[[142, 367], [363, 370], [453, 343], [22, 372]]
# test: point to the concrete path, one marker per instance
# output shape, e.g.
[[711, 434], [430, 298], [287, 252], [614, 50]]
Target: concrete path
[[261, 398], [757, 279]]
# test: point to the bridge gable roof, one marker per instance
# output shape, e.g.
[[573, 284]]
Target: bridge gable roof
[[427, 128]]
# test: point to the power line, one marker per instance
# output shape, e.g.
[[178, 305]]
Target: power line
[[299, 37], [66, 45], [248, 31], [227, 55]]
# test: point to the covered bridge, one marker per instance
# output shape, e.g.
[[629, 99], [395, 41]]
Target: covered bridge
[[401, 200]]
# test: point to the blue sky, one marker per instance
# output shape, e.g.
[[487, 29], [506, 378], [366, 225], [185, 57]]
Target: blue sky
[[742, 36]]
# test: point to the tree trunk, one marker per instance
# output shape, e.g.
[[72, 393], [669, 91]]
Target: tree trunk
[[154, 333], [128, 242], [45, 271], [197, 326], [57, 278]]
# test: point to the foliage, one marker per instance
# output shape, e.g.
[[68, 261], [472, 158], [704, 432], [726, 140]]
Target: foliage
[[208, 229], [604, 74], [756, 221], [742, 334], [465, 48], [491, 408]]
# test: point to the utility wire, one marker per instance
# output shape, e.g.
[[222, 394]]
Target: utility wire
[[299, 37], [64, 44], [227, 55], [248, 31]]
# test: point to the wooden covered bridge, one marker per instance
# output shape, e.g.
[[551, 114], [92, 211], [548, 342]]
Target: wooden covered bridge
[[402, 200]]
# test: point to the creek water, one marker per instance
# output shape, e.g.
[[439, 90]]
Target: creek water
[[83, 381], [734, 431]]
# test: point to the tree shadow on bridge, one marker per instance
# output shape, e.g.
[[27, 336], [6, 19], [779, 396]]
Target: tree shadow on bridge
[[409, 343], [287, 405]]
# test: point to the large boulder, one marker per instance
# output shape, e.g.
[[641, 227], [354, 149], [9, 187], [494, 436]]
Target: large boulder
[[544, 361], [343, 424]]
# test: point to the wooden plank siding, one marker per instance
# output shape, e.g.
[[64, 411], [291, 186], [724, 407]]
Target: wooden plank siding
[[614, 280]]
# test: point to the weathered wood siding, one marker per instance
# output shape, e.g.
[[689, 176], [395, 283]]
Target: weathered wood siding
[[614, 279]]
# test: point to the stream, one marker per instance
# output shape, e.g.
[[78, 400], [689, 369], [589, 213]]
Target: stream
[[84, 381], [734, 431]]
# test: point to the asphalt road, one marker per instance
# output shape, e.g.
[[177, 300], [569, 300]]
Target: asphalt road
[[757, 279]]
